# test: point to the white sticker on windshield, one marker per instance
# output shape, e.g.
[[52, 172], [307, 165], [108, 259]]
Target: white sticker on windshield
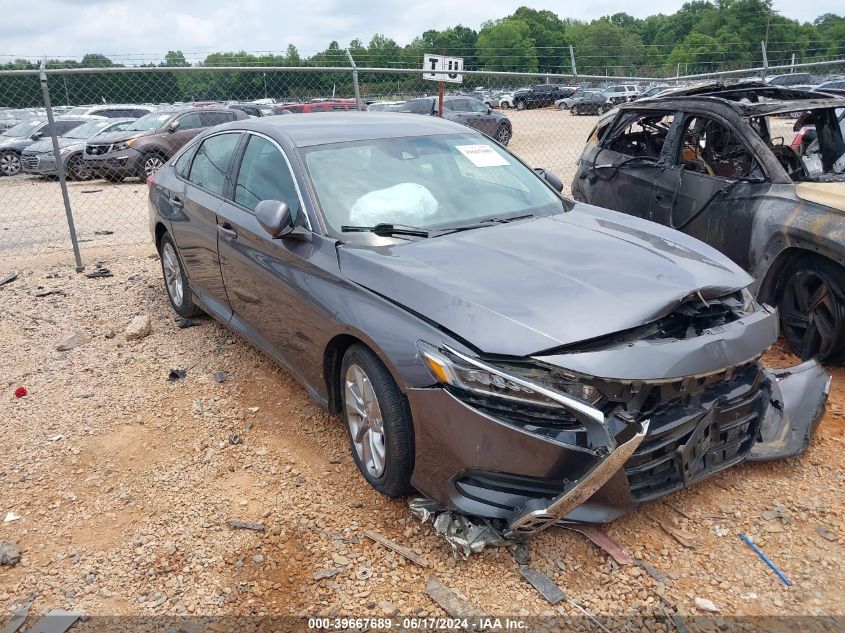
[[482, 155]]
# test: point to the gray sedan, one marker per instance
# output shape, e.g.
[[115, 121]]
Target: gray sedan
[[466, 110], [504, 351]]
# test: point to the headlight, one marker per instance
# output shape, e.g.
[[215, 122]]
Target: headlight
[[65, 150], [748, 302], [451, 368], [122, 145]]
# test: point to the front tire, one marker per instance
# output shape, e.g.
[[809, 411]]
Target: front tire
[[812, 309], [573, 110], [176, 279], [149, 165], [76, 169], [378, 422], [10, 163], [503, 134], [520, 105]]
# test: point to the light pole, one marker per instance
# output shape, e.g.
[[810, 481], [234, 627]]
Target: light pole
[[265, 84]]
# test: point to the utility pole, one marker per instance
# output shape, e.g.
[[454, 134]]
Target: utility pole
[[572, 59]]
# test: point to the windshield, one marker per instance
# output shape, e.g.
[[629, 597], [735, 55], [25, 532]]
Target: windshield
[[423, 181], [87, 130], [23, 129], [151, 121]]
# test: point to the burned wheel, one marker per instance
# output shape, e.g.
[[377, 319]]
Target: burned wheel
[[812, 309], [378, 421]]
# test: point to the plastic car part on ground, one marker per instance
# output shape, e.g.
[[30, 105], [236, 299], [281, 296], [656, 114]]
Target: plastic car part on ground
[[466, 535]]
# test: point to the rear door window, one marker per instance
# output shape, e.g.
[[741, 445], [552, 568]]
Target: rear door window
[[211, 163]]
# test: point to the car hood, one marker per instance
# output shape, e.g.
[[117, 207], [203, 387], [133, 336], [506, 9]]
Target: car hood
[[529, 286], [118, 137], [46, 144], [830, 194], [14, 143]]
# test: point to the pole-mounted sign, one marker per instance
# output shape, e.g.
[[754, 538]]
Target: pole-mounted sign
[[442, 68]]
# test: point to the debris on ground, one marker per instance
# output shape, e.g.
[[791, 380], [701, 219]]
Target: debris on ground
[[177, 374], [245, 525], [466, 535], [8, 279], [705, 605], [455, 605], [140, 327], [99, 272], [826, 534], [777, 511], [326, 573], [520, 554], [542, 583], [589, 616], [766, 560], [73, 341], [682, 536], [404, 551], [55, 438], [92, 191], [600, 537], [219, 377], [17, 619], [186, 323], [10, 554], [46, 292], [21, 392], [654, 573], [56, 621], [11, 516], [235, 439]]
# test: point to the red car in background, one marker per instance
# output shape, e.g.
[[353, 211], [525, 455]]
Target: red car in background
[[333, 105]]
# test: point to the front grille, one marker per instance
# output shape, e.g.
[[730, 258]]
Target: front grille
[[689, 440], [97, 150], [29, 162]]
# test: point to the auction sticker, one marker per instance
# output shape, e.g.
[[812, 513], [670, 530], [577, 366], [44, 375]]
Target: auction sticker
[[482, 155]]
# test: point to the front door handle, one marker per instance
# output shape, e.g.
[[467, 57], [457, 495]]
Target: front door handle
[[227, 231], [176, 202], [658, 197]]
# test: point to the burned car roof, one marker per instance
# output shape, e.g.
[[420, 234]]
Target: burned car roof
[[762, 108]]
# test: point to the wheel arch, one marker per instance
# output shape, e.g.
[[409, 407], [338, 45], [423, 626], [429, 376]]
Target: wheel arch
[[770, 276], [160, 230]]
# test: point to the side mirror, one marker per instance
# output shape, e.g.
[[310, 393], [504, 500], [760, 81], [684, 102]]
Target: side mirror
[[550, 178], [36, 135], [173, 126], [489, 110], [274, 217]]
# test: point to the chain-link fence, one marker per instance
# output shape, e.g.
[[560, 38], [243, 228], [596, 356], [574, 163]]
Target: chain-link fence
[[111, 127]]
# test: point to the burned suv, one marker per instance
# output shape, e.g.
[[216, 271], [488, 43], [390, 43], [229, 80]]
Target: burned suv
[[143, 147], [716, 163]]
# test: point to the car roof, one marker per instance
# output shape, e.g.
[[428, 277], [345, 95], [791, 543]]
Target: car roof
[[341, 127]]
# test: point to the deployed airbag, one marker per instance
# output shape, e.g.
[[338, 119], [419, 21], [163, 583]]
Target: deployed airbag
[[405, 203]]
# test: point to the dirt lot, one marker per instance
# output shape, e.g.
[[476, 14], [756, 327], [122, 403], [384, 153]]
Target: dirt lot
[[124, 483]]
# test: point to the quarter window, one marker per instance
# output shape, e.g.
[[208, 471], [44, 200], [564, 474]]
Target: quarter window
[[264, 175], [211, 162]]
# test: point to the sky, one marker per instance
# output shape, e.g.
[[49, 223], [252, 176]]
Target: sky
[[128, 30]]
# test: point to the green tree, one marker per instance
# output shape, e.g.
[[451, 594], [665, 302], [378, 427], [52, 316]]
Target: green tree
[[507, 45], [175, 59], [547, 31]]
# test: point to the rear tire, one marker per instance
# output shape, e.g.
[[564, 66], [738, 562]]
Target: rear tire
[[10, 163], [503, 134], [378, 422], [176, 282], [811, 306]]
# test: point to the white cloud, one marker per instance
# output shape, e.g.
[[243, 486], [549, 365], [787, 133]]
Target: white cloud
[[120, 28]]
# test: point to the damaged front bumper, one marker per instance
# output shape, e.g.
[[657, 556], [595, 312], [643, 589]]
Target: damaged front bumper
[[523, 477]]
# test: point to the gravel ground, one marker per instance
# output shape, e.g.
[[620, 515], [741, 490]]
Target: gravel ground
[[124, 483]]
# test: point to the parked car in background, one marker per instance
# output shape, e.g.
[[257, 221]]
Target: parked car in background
[[321, 105], [146, 144], [16, 139], [790, 79], [714, 165], [565, 102], [383, 106], [253, 109], [653, 91], [591, 103], [505, 352], [622, 93], [467, 111], [112, 110], [541, 96], [10, 117], [833, 84], [506, 100], [39, 158]]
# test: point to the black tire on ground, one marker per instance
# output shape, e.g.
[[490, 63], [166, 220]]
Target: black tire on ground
[[503, 134], [149, 164], [183, 305], [811, 305], [573, 110], [395, 480], [504, 105], [10, 163], [520, 105], [76, 168]]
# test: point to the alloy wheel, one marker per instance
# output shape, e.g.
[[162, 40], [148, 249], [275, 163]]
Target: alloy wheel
[[363, 414], [810, 314], [502, 135], [77, 169], [172, 274], [10, 164], [152, 164]]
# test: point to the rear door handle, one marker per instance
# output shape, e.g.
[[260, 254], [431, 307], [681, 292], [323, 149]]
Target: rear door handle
[[227, 231]]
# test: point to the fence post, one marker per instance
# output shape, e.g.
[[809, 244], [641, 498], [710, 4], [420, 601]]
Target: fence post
[[765, 61], [355, 80], [60, 168], [572, 59]]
